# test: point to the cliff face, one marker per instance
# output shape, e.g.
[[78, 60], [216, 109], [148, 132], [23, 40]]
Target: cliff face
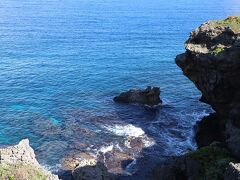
[[19, 162], [212, 62]]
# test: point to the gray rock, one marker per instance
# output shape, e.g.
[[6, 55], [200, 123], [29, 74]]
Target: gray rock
[[149, 96], [212, 62], [91, 172], [19, 162], [205, 163], [178, 168], [233, 139], [233, 172]]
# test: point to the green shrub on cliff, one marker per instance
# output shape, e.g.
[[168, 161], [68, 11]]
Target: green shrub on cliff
[[217, 50], [21, 171], [213, 160], [233, 22]]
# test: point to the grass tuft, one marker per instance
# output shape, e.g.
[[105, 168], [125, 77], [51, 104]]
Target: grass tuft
[[233, 22]]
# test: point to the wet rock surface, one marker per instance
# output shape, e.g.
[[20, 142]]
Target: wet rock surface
[[84, 166], [115, 158], [149, 96]]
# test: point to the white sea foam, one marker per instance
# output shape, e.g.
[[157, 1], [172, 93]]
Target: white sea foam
[[177, 145], [148, 142], [125, 130], [52, 169], [130, 131], [105, 149]]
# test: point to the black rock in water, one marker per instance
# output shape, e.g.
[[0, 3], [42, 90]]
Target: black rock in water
[[149, 96]]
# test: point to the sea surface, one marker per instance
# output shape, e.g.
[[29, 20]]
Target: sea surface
[[63, 61]]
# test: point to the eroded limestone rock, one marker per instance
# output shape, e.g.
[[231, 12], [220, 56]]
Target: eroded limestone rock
[[19, 162]]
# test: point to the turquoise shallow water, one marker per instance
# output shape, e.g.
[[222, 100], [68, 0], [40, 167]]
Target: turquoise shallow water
[[62, 62]]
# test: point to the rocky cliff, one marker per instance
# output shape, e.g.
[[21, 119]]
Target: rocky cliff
[[19, 162], [212, 63]]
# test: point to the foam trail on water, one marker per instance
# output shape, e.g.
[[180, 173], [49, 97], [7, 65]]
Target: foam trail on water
[[132, 131], [105, 149], [125, 130]]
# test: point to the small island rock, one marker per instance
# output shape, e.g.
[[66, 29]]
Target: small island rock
[[149, 96]]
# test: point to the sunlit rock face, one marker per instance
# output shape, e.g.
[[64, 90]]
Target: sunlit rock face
[[19, 162]]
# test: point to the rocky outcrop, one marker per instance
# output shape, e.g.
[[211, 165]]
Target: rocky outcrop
[[211, 128], [93, 171], [149, 96], [19, 162], [212, 62], [85, 166], [208, 163], [233, 172]]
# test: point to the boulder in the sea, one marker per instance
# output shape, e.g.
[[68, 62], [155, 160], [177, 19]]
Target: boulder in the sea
[[149, 96], [19, 162]]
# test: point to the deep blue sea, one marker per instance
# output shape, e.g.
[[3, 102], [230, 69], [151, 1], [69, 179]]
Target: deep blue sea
[[62, 62]]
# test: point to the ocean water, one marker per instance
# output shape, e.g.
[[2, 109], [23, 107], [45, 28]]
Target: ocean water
[[62, 62]]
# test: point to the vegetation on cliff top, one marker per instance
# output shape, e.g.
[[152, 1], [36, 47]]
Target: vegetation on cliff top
[[233, 22], [213, 160], [21, 171]]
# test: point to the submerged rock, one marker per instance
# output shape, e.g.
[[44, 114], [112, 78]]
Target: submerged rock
[[19, 162], [149, 96]]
